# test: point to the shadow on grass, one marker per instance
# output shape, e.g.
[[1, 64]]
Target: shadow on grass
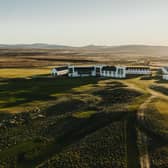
[[160, 89], [18, 91], [117, 95], [67, 106], [161, 81]]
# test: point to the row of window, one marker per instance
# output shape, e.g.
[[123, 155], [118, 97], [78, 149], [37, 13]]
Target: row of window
[[139, 70]]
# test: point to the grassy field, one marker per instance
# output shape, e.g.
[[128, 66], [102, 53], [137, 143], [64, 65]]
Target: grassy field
[[77, 122], [156, 119], [70, 115], [8, 73], [59, 115]]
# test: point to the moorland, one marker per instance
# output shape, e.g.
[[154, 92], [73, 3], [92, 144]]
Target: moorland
[[82, 122]]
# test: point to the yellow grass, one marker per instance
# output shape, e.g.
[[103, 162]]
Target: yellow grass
[[141, 84], [134, 105], [84, 88], [25, 107], [162, 106], [22, 72], [85, 114]]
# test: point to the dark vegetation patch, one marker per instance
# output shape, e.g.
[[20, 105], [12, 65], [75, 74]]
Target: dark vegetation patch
[[132, 150], [103, 148], [18, 91], [158, 151], [154, 123], [117, 95], [160, 89], [67, 106], [146, 78]]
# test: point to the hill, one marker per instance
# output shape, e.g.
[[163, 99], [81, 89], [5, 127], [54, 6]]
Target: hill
[[40, 55]]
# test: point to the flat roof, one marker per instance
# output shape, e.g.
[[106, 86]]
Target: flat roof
[[109, 68]]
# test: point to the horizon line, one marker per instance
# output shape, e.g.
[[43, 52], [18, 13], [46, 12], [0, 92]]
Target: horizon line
[[87, 45]]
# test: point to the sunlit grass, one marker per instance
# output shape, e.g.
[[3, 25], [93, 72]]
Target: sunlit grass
[[85, 114], [25, 107], [140, 84], [162, 106], [84, 88], [22, 72], [134, 105]]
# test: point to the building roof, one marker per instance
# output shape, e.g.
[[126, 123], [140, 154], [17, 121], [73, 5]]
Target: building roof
[[84, 70], [139, 68], [61, 68], [165, 70], [109, 68]]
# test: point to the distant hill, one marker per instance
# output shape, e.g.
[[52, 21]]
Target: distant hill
[[89, 47], [34, 46], [141, 50]]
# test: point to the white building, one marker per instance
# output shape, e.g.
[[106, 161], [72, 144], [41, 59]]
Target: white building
[[100, 70], [82, 71], [60, 71], [97, 70], [164, 73], [113, 71], [138, 71]]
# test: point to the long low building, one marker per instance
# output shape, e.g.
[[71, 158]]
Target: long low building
[[100, 70], [97, 70], [164, 73], [138, 70]]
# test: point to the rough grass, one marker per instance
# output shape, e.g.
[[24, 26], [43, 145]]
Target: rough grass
[[7, 73], [156, 118], [84, 114], [162, 106], [17, 94], [93, 150], [72, 109]]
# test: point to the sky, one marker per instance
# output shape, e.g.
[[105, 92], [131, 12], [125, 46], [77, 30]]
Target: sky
[[84, 22]]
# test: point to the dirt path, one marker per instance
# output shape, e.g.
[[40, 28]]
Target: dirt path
[[142, 138], [143, 152], [157, 94], [140, 114]]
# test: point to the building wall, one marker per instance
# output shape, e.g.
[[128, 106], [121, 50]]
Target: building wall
[[54, 72], [164, 73], [119, 73], [103, 73], [165, 77], [138, 72], [74, 73], [164, 70]]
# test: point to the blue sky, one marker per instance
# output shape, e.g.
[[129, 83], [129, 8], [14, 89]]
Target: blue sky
[[83, 22]]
